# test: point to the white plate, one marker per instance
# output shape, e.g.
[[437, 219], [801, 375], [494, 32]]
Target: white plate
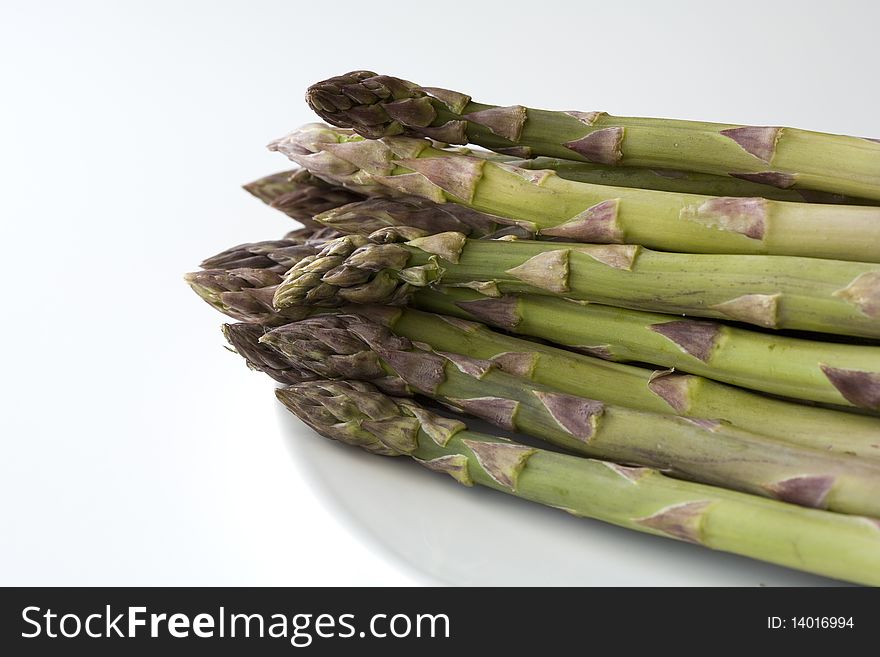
[[475, 536]]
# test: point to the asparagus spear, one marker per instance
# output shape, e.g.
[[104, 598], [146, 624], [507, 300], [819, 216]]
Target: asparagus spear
[[642, 499], [300, 195], [304, 195], [353, 347], [379, 106], [825, 372], [553, 207], [771, 291]]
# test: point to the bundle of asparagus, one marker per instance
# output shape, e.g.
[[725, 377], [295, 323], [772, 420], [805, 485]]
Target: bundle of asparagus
[[696, 309]]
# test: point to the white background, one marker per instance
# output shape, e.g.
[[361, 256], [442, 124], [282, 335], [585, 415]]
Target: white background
[[135, 449]]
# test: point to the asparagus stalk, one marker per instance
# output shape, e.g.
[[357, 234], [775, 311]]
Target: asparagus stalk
[[352, 347], [680, 182], [304, 195], [379, 106], [553, 207], [831, 373], [642, 499], [300, 195], [771, 291]]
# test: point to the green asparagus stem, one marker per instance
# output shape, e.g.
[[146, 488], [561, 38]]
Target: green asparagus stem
[[771, 291], [642, 499], [825, 372], [352, 347], [680, 182], [380, 106], [300, 195], [303, 195], [553, 207]]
